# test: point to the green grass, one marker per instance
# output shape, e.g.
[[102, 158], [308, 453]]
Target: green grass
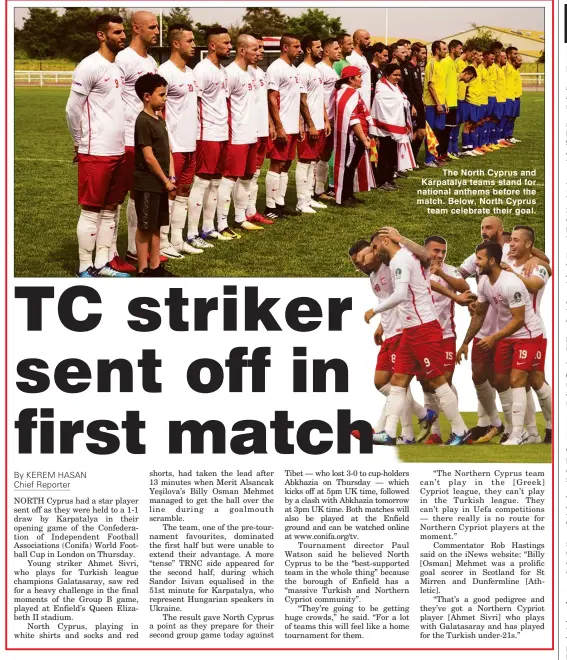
[[44, 65], [46, 209], [492, 452]]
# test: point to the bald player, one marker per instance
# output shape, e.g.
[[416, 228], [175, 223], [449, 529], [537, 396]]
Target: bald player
[[134, 62], [241, 153], [361, 44]]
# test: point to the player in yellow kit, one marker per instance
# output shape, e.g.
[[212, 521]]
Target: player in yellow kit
[[499, 115], [486, 73], [464, 61], [473, 110], [434, 96], [451, 136], [510, 74], [518, 92]]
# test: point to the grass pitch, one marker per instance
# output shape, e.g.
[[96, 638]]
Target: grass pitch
[[492, 452], [46, 209]]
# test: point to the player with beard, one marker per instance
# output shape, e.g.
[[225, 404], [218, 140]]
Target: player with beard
[[516, 342], [181, 120], [239, 160], [387, 336], [211, 141], [414, 92], [331, 54], [361, 44], [520, 252], [317, 128], [420, 347], [347, 46], [266, 131], [284, 98], [379, 60], [96, 122], [134, 62], [434, 96], [451, 135]]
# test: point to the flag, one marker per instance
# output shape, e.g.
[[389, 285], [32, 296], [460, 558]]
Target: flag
[[432, 141]]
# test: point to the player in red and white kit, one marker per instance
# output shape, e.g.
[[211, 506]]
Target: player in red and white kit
[[181, 118], [517, 342], [331, 54], [521, 244], [134, 62], [489, 424], [420, 346], [265, 132], [449, 278], [212, 139], [284, 98], [387, 335], [96, 121], [316, 126], [240, 156]]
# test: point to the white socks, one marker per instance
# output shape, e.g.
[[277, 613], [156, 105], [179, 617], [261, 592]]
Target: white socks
[[104, 237], [272, 188], [251, 209], [113, 247], [530, 418], [241, 196], [321, 177], [310, 181], [301, 184], [450, 406], [177, 220], [506, 401], [394, 407], [164, 230], [210, 205], [280, 198], [519, 403], [385, 390], [223, 203], [544, 397], [195, 206], [486, 395], [132, 219], [87, 229]]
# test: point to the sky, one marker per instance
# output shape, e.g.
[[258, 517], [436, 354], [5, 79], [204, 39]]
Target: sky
[[412, 23]]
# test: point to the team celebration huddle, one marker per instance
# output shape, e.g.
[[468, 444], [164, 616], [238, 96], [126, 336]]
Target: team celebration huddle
[[185, 144], [505, 341]]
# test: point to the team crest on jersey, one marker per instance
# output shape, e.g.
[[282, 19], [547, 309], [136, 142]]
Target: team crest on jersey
[[398, 273], [383, 281], [190, 87], [517, 296]]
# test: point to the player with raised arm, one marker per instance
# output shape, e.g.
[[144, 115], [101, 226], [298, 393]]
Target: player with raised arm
[[134, 62], [181, 118], [521, 244], [387, 336], [517, 341], [96, 122], [284, 98], [316, 127], [211, 141], [420, 347], [239, 162], [331, 54]]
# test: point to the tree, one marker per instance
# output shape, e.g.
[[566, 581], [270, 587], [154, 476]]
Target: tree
[[40, 33], [482, 39], [201, 29], [265, 21], [316, 22], [77, 31], [541, 59], [176, 15]]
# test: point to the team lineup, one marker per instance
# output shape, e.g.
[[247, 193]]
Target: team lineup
[[417, 292], [185, 144]]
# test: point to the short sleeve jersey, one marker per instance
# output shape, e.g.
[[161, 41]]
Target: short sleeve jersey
[[330, 77], [435, 73], [132, 66], [241, 94], [461, 65], [451, 81], [362, 63], [383, 287], [509, 73], [418, 307], [312, 83], [102, 124], [444, 306], [507, 293], [150, 132], [284, 78], [535, 298], [262, 112], [500, 83], [181, 113], [213, 110]]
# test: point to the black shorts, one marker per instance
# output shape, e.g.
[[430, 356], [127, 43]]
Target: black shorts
[[451, 117], [152, 209]]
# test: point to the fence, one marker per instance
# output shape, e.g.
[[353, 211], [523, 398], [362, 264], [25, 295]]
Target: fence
[[531, 81]]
